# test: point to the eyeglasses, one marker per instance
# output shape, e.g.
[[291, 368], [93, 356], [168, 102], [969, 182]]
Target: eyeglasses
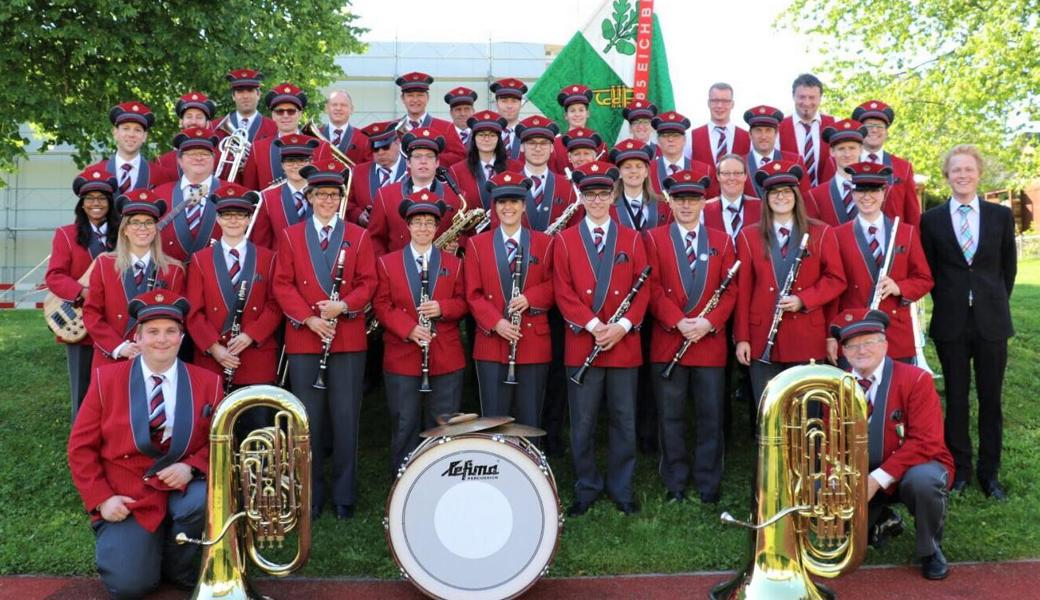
[[285, 111], [326, 195], [486, 134], [781, 193], [876, 126], [233, 216], [200, 155], [140, 224], [731, 173], [423, 224], [539, 143], [292, 160], [423, 157], [99, 199], [862, 345], [597, 196], [720, 101]]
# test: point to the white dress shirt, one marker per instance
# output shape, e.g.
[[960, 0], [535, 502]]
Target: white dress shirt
[[713, 137]]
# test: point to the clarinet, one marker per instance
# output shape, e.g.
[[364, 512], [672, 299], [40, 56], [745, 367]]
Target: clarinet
[[424, 321], [778, 314], [626, 304], [319, 381], [875, 300], [710, 306], [236, 328], [514, 318]]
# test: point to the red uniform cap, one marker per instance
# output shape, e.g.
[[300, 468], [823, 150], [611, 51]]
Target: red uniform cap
[[195, 138], [158, 304], [688, 182], [460, 96], [536, 126], [508, 184], [381, 134], [414, 82], [286, 93], [639, 109], [326, 172], [579, 138], [140, 202], [422, 138], [778, 173], [763, 116], [421, 203], [858, 321], [296, 145], [231, 196], [670, 122], [132, 112], [874, 109], [574, 94], [94, 179], [845, 130], [487, 120], [596, 174], [509, 88], [195, 100], [244, 78], [631, 149], [869, 175]]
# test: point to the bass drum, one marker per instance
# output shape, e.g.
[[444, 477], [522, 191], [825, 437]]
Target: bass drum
[[474, 516]]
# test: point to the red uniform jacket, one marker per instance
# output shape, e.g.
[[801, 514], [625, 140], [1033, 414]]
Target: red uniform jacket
[[912, 430], [276, 212], [454, 150], [702, 150], [489, 287], [67, 264], [789, 143], [395, 302], [149, 174], [110, 451], [558, 161], [389, 230], [265, 163], [304, 275], [365, 186], [909, 270], [712, 217], [353, 142], [657, 214], [213, 300], [752, 189], [659, 172], [584, 291], [677, 293], [177, 239], [901, 196], [555, 196], [472, 186], [821, 279], [824, 203], [104, 312]]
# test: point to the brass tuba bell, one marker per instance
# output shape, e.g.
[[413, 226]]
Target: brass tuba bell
[[266, 481], [810, 506]]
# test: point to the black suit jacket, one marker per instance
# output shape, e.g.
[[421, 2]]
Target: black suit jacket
[[990, 277]]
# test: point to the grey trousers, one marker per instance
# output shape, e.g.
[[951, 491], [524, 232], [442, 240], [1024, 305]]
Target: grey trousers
[[132, 560], [522, 401], [340, 404], [79, 357], [618, 386], [923, 489], [407, 403], [705, 388]]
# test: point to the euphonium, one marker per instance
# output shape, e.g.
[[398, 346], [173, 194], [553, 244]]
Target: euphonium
[[810, 507], [234, 150], [266, 480]]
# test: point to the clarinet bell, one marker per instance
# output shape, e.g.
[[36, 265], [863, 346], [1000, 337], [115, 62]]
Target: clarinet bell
[[424, 385], [511, 376], [319, 381]]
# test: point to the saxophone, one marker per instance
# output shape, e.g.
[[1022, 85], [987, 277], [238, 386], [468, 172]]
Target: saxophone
[[463, 220], [562, 220]]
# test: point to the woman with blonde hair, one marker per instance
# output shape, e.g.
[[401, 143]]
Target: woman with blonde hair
[[137, 265]]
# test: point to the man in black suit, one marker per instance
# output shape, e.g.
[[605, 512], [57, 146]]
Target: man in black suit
[[970, 246]]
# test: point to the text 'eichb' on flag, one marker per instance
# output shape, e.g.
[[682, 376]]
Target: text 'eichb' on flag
[[619, 55]]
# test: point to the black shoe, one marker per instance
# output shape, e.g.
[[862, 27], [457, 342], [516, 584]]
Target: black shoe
[[935, 566], [959, 486], [710, 498], [675, 497], [888, 526], [993, 489], [627, 508], [344, 511], [578, 508]]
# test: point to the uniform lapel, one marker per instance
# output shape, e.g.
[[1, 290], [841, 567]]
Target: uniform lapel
[[320, 261], [864, 250], [411, 273], [879, 416], [505, 280], [679, 250], [781, 265], [602, 265], [275, 156], [137, 397], [183, 423], [700, 274]]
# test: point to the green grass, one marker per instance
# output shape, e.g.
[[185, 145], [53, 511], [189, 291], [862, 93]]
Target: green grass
[[43, 528]]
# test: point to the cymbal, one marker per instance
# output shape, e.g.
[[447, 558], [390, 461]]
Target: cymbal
[[460, 424], [515, 430]]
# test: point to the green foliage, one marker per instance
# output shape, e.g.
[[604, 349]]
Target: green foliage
[[64, 64], [955, 71], [43, 528], [621, 32]]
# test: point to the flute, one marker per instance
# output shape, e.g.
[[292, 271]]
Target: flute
[[886, 266]]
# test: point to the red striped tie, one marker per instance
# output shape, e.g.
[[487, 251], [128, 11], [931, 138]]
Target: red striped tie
[[384, 176], [850, 206], [338, 137], [235, 266], [691, 250], [875, 246], [326, 233], [808, 153], [301, 208], [674, 169], [720, 148], [865, 384], [511, 247], [735, 221], [195, 212], [138, 273], [872, 157], [786, 234], [538, 188], [124, 182], [597, 239], [156, 410]]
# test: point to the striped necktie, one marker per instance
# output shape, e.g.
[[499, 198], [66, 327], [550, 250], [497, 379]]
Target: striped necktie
[[464, 136], [489, 171], [636, 207], [101, 233], [326, 233], [124, 180], [538, 187], [846, 198], [301, 206], [244, 123], [413, 124], [964, 233], [138, 273], [875, 246], [235, 267], [873, 157], [157, 411], [691, 250], [720, 148], [195, 211], [785, 236], [598, 239], [734, 222], [809, 153], [419, 263], [511, 247], [673, 168], [507, 138], [865, 384], [384, 176], [337, 137]]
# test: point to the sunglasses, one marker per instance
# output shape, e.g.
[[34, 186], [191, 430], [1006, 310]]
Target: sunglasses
[[285, 111]]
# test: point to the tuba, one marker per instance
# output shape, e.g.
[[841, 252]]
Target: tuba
[[810, 507], [266, 481]]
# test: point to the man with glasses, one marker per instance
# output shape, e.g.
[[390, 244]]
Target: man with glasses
[[901, 197], [386, 168], [285, 205], [719, 137], [264, 167], [595, 265], [909, 462]]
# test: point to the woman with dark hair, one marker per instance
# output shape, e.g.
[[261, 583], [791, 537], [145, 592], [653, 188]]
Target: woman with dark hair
[[485, 158], [73, 250], [767, 253]]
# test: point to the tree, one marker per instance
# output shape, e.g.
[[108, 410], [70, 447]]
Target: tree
[[954, 71], [64, 64]]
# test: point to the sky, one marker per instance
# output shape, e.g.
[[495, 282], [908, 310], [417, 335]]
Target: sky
[[732, 41]]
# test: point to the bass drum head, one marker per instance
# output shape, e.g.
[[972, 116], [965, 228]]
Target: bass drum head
[[473, 517]]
